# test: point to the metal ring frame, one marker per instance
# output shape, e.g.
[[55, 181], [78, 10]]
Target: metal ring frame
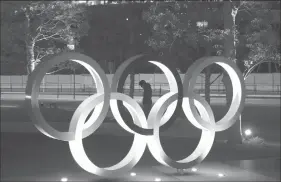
[[146, 130]]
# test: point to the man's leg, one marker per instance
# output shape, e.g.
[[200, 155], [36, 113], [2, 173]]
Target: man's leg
[[146, 109]]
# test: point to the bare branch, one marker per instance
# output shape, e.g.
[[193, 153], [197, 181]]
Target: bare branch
[[244, 10], [44, 24], [55, 25], [55, 71], [37, 55], [47, 37], [171, 45], [37, 36], [44, 55]]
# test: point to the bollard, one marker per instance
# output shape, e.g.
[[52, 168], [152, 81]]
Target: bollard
[[74, 91], [58, 92], [255, 86]]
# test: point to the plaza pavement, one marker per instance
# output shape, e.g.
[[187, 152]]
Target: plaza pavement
[[35, 157], [181, 126], [27, 155], [215, 98]]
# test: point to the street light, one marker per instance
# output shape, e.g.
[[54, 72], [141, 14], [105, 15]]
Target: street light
[[64, 179], [71, 43], [248, 132], [70, 46], [194, 169], [202, 24]]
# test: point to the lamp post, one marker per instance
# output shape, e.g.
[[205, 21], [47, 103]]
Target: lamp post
[[202, 25], [71, 47], [131, 51]]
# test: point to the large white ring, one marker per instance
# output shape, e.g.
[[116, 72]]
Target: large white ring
[[175, 85], [80, 128], [238, 98], [32, 93], [205, 143], [77, 126]]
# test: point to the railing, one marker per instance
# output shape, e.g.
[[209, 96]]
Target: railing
[[158, 89]]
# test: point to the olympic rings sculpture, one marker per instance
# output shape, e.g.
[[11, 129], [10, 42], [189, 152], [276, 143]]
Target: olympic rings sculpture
[[145, 130]]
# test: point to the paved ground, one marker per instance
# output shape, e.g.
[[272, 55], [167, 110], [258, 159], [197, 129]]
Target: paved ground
[[215, 98], [260, 115], [35, 157], [31, 156]]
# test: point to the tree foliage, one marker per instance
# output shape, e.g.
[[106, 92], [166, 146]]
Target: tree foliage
[[41, 28], [179, 25], [262, 40]]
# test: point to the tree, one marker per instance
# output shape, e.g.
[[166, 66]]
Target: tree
[[255, 32], [230, 11], [179, 26], [256, 35], [134, 15], [261, 37], [42, 28], [118, 35], [175, 22]]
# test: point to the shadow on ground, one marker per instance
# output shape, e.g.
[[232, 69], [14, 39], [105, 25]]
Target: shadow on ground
[[29, 154]]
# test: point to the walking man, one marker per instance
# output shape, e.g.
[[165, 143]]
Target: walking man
[[147, 96]]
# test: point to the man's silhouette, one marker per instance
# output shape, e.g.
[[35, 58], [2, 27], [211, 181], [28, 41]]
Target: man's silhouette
[[147, 96]]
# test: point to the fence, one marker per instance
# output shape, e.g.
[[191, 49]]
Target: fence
[[158, 89], [84, 84]]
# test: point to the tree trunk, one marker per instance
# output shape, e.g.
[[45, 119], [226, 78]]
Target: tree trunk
[[269, 67], [121, 56], [234, 133], [208, 76], [30, 56], [74, 80], [71, 47], [132, 74], [208, 84], [29, 43], [132, 84]]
